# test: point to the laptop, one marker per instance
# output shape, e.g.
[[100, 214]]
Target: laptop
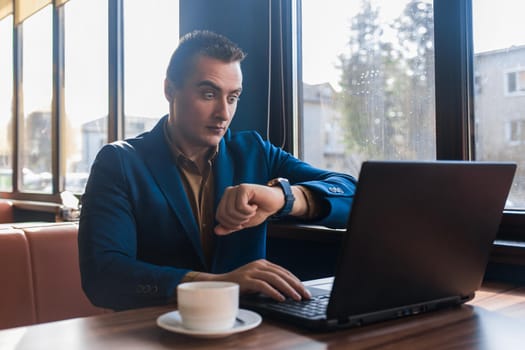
[[418, 239]]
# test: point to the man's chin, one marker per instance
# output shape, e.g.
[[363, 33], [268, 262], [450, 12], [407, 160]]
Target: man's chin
[[214, 140]]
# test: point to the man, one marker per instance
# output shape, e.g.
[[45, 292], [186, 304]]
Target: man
[[189, 199]]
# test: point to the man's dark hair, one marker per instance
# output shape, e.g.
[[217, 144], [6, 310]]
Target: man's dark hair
[[204, 43]]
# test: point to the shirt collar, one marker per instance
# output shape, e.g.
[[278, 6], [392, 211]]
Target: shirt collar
[[176, 151]]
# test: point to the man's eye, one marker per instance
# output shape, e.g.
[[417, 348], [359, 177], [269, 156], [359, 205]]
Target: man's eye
[[208, 95], [233, 99]]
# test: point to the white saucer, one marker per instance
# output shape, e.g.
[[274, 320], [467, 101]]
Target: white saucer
[[246, 320]]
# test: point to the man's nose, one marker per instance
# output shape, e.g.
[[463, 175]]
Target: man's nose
[[223, 109]]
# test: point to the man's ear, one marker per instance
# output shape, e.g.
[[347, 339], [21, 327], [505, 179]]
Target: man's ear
[[169, 90]]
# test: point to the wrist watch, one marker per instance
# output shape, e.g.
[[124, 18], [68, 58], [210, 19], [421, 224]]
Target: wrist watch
[[289, 198]]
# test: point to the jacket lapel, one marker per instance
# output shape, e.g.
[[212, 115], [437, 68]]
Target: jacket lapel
[[223, 170], [224, 177], [159, 160]]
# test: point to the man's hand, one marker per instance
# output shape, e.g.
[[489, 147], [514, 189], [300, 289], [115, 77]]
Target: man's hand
[[264, 277], [247, 205]]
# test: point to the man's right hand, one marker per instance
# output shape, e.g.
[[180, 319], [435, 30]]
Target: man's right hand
[[264, 277]]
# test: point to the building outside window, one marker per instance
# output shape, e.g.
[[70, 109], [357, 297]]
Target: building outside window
[[499, 65]]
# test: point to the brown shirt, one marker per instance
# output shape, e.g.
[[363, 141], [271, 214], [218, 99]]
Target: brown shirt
[[199, 188]]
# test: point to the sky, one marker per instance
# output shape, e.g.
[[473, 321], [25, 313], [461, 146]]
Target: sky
[[498, 24]]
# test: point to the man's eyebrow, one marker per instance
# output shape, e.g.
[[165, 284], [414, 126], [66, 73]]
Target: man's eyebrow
[[208, 83], [211, 84]]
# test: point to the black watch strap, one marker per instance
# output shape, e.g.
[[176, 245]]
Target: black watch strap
[[289, 198]]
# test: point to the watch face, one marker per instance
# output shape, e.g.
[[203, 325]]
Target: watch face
[[277, 181]]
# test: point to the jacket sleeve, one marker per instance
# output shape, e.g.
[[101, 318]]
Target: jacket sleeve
[[335, 190], [112, 276]]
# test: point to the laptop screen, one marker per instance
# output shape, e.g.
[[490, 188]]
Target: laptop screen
[[417, 232]]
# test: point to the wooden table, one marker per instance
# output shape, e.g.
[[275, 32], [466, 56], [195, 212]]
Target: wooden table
[[494, 319]]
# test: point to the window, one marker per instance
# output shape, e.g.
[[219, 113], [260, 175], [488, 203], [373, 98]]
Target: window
[[515, 82], [376, 61], [498, 111], [6, 99], [85, 123], [37, 87], [367, 78], [150, 35], [516, 132], [69, 86]]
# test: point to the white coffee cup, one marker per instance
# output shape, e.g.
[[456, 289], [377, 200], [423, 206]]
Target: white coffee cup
[[208, 305]]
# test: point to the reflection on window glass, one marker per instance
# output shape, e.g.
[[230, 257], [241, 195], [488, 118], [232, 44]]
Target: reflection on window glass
[[84, 129], [499, 100], [368, 82], [151, 33], [6, 98], [37, 86]]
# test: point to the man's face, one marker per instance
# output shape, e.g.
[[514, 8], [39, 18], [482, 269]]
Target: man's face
[[203, 108]]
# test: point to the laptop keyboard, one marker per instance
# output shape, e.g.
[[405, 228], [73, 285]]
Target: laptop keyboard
[[314, 307]]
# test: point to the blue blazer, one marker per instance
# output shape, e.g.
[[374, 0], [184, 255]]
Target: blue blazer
[[137, 234]]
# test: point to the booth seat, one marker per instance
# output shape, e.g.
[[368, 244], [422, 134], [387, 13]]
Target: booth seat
[[6, 211], [39, 275], [17, 302]]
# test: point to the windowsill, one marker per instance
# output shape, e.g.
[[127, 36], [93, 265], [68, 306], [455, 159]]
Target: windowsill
[[508, 252], [504, 251], [46, 207], [35, 211], [304, 232]]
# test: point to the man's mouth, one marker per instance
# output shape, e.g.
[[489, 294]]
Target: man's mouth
[[216, 128]]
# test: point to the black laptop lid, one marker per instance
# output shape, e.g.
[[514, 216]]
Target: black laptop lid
[[418, 231]]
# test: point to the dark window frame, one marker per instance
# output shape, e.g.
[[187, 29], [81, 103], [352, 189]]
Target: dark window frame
[[454, 87]]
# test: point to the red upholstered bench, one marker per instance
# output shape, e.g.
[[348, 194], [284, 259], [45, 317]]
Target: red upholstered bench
[[40, 276], [56, 274], [17, 306], [6, 211]]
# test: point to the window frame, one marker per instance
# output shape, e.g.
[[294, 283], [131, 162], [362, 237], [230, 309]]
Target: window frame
[[115, 93], [454, 86]]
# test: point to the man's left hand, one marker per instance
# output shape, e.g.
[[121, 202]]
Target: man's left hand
[[247, 205]]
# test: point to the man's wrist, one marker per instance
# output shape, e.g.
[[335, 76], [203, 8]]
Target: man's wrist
[[289, 197], [301, 207], [190, 276], [197, 276]]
